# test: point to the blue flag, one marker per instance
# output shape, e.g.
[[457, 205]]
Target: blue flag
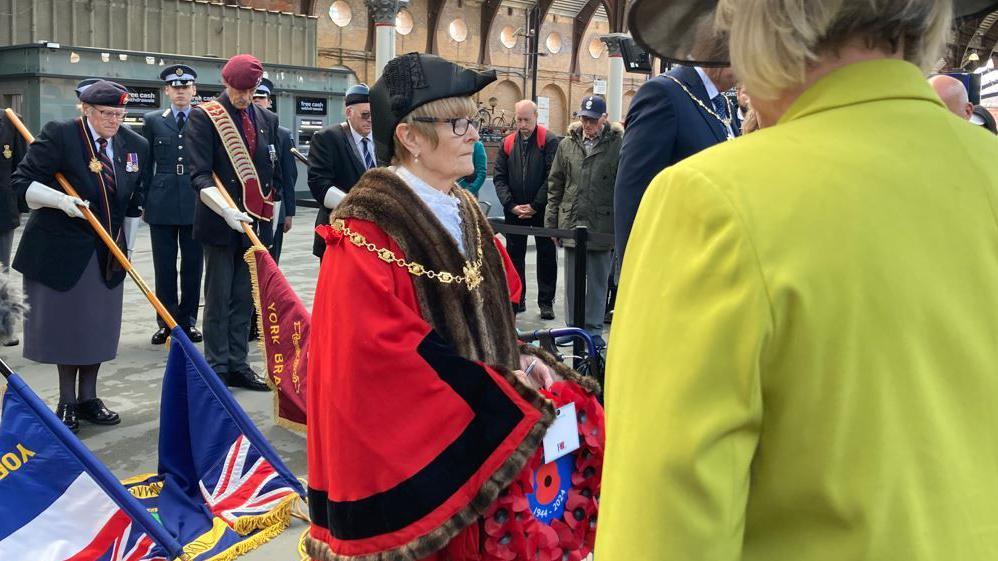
[[221, 489], [57, 501]]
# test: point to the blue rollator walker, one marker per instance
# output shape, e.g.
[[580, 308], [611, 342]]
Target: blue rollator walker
[[588, 360]]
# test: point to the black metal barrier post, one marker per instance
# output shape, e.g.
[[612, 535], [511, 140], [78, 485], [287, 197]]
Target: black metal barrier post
[[578, 318]]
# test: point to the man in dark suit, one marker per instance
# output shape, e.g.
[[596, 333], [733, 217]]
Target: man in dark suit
[[169, 205], [339, 155], [289, 170], [672, 117], [218, 226], [10, 214]]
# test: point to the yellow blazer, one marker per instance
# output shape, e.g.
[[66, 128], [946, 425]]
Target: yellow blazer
[[804, 362]]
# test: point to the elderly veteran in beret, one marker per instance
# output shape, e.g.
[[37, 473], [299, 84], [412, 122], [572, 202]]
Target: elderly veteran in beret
[[806, 335], [71, 281], [228, 303], [420, 407]]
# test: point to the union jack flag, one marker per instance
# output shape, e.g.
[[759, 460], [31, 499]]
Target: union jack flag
[[120, 540], [245, 484]]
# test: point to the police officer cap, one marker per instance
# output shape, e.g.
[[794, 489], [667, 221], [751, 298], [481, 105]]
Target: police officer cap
[[178, 75], [84, 84], [411, 81], [358, 93], [104, 92], [265, 89]]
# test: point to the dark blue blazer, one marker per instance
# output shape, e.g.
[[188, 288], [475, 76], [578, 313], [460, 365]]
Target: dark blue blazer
[[169, 198], [55, 248], [664, 126], [289, 170]]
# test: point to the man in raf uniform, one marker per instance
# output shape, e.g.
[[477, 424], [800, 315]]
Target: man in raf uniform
[[289, 169], [169, 205], [237, 141]]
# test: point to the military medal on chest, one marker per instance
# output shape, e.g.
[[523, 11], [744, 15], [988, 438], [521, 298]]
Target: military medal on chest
[[7, 152], [131, 162], [95, 165]]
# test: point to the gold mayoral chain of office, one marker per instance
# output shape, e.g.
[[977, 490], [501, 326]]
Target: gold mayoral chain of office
[[727, 104], [471, 275]]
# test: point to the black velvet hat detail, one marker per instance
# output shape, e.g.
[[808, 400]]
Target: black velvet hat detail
[[410, 81]]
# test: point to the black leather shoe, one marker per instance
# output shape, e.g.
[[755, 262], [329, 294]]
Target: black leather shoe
[[12, 343], [254, 333], [67, 414], [194, 334], [520, 308], [246, 379], [93, 411], [160, 336], [547, 311]]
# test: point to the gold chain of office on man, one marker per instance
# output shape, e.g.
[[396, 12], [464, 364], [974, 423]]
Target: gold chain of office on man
[[471, 274], [725, 122]]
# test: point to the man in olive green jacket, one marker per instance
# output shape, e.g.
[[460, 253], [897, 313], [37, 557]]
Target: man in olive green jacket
[[580, 194]]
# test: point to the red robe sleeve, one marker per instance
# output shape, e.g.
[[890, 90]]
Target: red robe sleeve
[[408, 441]]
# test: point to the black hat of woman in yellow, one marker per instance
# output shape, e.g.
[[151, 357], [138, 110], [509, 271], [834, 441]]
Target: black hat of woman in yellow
[[682, 31]]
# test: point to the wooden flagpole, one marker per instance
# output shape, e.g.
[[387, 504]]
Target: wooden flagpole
[[101, 232], [247, 228]]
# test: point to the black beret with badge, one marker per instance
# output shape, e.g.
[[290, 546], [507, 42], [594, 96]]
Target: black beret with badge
[[105, 92], [683, 31], [410, 81], [178, 75]]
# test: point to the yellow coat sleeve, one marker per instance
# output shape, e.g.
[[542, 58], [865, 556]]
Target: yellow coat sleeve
[[683, 392]]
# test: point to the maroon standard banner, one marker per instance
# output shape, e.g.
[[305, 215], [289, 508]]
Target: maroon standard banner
[[284, 327]]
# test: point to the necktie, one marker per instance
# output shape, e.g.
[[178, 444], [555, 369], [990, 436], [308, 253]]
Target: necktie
[[249, 131], [720, 106], [368, 160], [107, 168], [181, 120]]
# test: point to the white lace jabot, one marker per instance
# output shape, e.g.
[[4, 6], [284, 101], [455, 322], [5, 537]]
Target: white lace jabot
[[445, 207]]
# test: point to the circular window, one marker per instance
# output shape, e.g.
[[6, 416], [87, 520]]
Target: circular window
[[596, 47], [508, 37], [553, 42], [403, 22], [340, 13], [457, 30]]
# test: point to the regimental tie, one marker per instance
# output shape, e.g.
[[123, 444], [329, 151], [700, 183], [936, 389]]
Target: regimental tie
[[107, 168], [249, 131], [368, 160]]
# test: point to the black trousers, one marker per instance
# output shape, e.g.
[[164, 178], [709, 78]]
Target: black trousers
[[228, 307], [166, 240], [547, 259]]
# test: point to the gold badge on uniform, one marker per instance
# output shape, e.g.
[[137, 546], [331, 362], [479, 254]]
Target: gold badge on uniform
[[95, 165], [7, 152]]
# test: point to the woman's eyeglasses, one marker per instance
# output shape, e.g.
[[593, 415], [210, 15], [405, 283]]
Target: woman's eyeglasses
[[458, 124]]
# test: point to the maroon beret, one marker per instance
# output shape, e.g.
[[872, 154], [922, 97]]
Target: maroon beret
[[242, 72]]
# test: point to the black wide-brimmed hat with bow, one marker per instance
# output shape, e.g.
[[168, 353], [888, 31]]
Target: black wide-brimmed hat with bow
[[683, 31], [411, 81]]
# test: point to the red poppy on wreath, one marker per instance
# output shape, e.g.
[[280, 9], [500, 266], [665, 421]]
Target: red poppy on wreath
[[562, 493]]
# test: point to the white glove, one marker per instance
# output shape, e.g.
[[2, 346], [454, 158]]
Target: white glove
[[333, 198], [39, 195], [213, 199], [131, 232], [275, 222]]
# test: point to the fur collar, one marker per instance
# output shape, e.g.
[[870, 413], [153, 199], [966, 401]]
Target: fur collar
[[612, 129], [480, 323]]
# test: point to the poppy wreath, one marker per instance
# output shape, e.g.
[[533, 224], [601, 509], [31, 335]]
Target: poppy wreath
[[513, 533]]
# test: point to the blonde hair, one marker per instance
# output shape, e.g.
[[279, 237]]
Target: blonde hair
[[773, 42], [446, 108]]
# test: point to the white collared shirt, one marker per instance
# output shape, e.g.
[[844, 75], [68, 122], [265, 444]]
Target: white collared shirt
[[359, 141], [110, 144], [446, 207], [713, 92]]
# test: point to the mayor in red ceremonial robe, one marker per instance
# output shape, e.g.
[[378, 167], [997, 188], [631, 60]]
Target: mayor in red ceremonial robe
[[420, 412]]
